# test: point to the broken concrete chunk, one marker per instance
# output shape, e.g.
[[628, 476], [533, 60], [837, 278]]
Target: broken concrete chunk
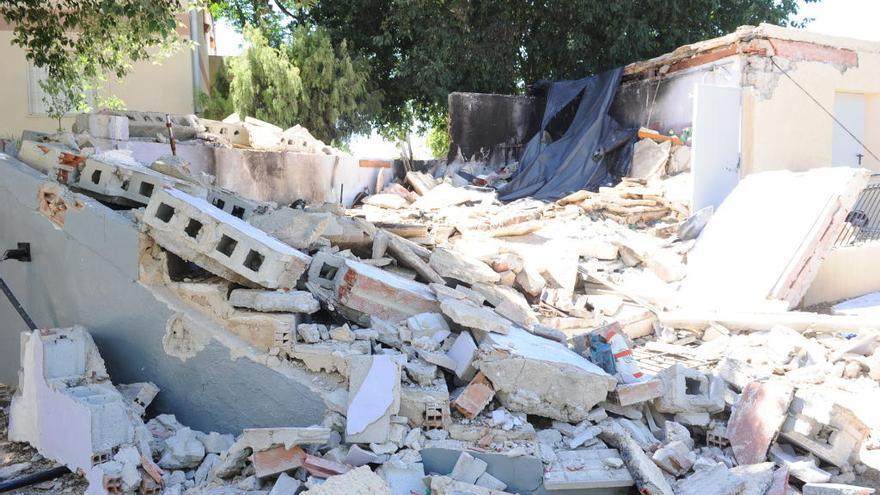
[[221, 243], [258, 439], [626, 394], [285, 485], [450, 264], [421, 372], [277, 459], [298, 228], [531, 281], [139, 395], [463, 351], [538, 376], [716, 480], [835, 489], [823, 426], [431, 325], [802, 468], [182, 451], [757, 477], [403, 479], [342, 334], [756, 419], [649, 158], [587, 469], [443, 485], [359, 481], [468, 468], [675, 458], [374, 396], [295, 301], [479, 318], [647, 476], [686, 391], [486, 480]]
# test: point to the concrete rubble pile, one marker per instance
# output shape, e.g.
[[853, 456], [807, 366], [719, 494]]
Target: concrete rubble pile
[[464, 337]]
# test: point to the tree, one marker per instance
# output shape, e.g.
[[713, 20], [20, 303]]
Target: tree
[[307, 81], [79, 42], [420, 50]]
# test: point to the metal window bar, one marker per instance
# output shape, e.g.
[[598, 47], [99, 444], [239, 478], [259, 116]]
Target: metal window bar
[[863, 221]]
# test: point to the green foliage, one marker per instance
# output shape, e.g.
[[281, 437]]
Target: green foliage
[[307, 81], [438, 140], [80, 42], [61, 99], [264, 83], [420, 50]]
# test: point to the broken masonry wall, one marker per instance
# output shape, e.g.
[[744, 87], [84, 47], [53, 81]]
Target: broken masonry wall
[[279, 176], [783, 128], [846, 271], [85, 273], [666, 103], [497, 125]]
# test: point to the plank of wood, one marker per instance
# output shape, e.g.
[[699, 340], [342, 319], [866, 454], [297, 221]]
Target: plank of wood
[[659, 137]]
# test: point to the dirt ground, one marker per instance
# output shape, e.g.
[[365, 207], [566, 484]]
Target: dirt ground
[[12, 453]]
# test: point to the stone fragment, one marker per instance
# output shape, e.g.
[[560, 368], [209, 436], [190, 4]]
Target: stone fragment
[[835, 489], [444, 485], [463, 351], [310, 333], [717, 480], [647, 476], [101, 125], [675, 431], [675, 458], [679, 160], [478, 318], [358, 457], [278, 459], [403, 479], [450, 264], [756, 419], [468, 468], [295, 301], [298, 228], [216, 443], [486, 480], [802, 468], [421, 372], [263, 438], [531, 281], [586, 470], [342, 334], [285, 485], [359, 481], [534, 375], [431, 325], [649, 158], [331, 356], [374, 396], [627, 394], [474, 397], [183, 450], [757, 477]]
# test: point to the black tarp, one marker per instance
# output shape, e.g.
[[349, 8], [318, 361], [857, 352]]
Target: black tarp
[[593, 151]]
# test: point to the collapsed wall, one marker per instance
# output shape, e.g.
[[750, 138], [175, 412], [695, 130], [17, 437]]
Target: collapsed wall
[[86, 272]]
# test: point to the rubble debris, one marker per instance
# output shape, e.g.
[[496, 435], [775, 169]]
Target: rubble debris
[[835, 489], [295, 301], [823, 426], [756, 419], [716, 479], [474, 397], [374, 396], [358, 481]]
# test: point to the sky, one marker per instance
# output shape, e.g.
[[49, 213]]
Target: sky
[[846, 18]]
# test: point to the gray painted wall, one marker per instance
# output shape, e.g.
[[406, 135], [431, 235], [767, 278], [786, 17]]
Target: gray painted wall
[[87, 274]]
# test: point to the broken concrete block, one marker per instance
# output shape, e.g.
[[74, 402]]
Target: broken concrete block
[[329, 357], [374, 396], [587, 469], [102, 125], [823, 426], [486, 480], [310, 333], [675, 431], [450, 264], [258, 439], [758, 477], [468, 468], [476, 396], [421, 372], [835, 489], [444, 485], [120, 179], [139, 395], [534, 375], [58, 162], [182, 451], [756, 419], [431, 325], [196, 231], [65, 406], [531, 281], [802, 468], [679, 160], [509, 303], [323, 468], [649, 158], [463, 351], [402, 478], [675, 458], [647, 476], [478, 318], [297, 228], [362, 291], [686, 390], [716, 480], [285, 485], [216, 443], [295, 301], [236, 205], [427, 407], [585, 435], [359, 481], [358, 457], [342, 334]]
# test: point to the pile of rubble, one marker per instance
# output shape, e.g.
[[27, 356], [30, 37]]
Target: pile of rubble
[[451, 322]]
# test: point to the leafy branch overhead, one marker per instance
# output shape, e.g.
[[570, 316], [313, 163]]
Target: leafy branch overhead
[[80, 42]]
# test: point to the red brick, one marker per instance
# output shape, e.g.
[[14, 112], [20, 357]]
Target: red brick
[[633, 393], [756, 420], [278, 460], [323, 468], [475, 396], [374, 292], [800, 50]]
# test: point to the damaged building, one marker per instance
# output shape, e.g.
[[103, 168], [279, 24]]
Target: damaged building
[[243, 309]]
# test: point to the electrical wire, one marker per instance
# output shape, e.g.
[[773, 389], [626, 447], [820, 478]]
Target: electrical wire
[[864, 147]]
